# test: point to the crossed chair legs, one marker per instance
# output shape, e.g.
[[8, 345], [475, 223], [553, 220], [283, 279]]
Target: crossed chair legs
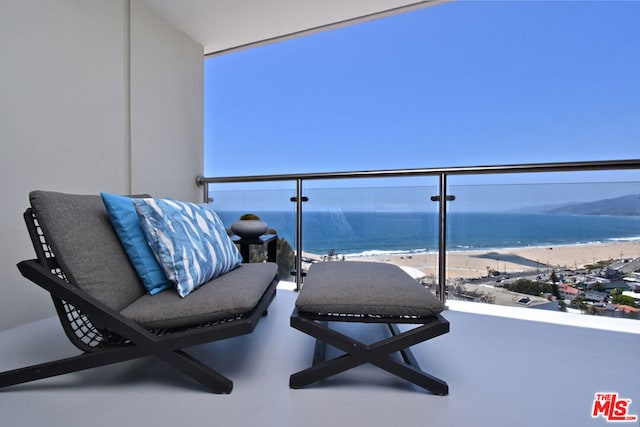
[[378, 354], [142, 342], [180, 360], [356, 353]]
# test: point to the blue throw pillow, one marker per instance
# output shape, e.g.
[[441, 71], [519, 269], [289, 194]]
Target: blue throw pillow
[[189, 240], [124, 218]]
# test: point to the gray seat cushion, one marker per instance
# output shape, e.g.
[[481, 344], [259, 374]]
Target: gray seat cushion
[[87, 247], [227, 296], [365, 288]]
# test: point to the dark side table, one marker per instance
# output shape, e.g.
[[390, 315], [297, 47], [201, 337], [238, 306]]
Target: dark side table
[[271, 240]]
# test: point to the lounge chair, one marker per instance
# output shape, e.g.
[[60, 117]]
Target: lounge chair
[[104, 309]]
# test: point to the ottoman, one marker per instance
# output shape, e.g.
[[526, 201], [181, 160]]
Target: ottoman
[[367, 292]]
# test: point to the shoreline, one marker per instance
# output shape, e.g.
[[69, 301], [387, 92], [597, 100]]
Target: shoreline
[[466, 250]]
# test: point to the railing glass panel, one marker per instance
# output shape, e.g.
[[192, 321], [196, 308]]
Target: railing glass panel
[[269, 201], [393, 222], [559, 246]]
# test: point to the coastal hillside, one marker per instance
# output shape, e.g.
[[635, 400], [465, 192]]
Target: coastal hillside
[[618, 206]]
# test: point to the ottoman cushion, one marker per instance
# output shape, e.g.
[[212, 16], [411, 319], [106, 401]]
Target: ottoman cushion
[[365, 288]]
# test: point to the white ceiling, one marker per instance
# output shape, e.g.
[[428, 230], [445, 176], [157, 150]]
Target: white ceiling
[[223, 25]]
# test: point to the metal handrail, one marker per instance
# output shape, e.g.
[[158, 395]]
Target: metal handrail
[[457, 170], [442, 198]]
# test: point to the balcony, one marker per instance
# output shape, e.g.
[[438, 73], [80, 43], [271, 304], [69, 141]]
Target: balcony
[[505, 365]]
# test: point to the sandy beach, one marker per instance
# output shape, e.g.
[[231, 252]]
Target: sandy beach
[[477, 263]]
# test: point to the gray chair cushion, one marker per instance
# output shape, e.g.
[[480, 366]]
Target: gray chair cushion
[[87, 247], [234, 293], [365, 288]]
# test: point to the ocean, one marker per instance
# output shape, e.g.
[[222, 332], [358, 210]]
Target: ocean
[[373, 233]]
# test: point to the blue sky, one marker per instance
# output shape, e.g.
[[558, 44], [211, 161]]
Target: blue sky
[[462, 83]]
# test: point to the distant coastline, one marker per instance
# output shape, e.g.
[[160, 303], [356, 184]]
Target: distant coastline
[[470, 251]]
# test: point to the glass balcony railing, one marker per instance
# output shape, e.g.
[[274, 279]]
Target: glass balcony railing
[[563, 237]]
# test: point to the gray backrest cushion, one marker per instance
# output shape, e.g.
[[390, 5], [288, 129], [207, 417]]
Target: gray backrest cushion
[[78, 229], [354, 287]]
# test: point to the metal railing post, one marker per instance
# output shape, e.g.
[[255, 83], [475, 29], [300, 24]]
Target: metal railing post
[[442, 238], [202, 182], [299, 200], [206, 192]]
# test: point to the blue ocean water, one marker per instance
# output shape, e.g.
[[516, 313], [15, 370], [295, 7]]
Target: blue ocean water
[[366, 233]]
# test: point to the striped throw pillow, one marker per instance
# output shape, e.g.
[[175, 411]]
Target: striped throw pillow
[[188, 239]]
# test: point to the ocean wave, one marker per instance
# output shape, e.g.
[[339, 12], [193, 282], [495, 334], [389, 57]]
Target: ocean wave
[[380, 252], [625, 239]]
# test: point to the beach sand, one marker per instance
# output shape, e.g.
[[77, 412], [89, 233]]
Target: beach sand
[[476, 264]]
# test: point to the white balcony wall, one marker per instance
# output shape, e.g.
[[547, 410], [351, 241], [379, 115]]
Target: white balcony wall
[[94, 96], [167, 89]]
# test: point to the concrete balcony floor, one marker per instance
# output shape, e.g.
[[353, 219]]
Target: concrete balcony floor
[[501, 371]]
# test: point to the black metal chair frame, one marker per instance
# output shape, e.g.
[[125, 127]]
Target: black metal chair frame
[[106, 337], [379, 354]]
